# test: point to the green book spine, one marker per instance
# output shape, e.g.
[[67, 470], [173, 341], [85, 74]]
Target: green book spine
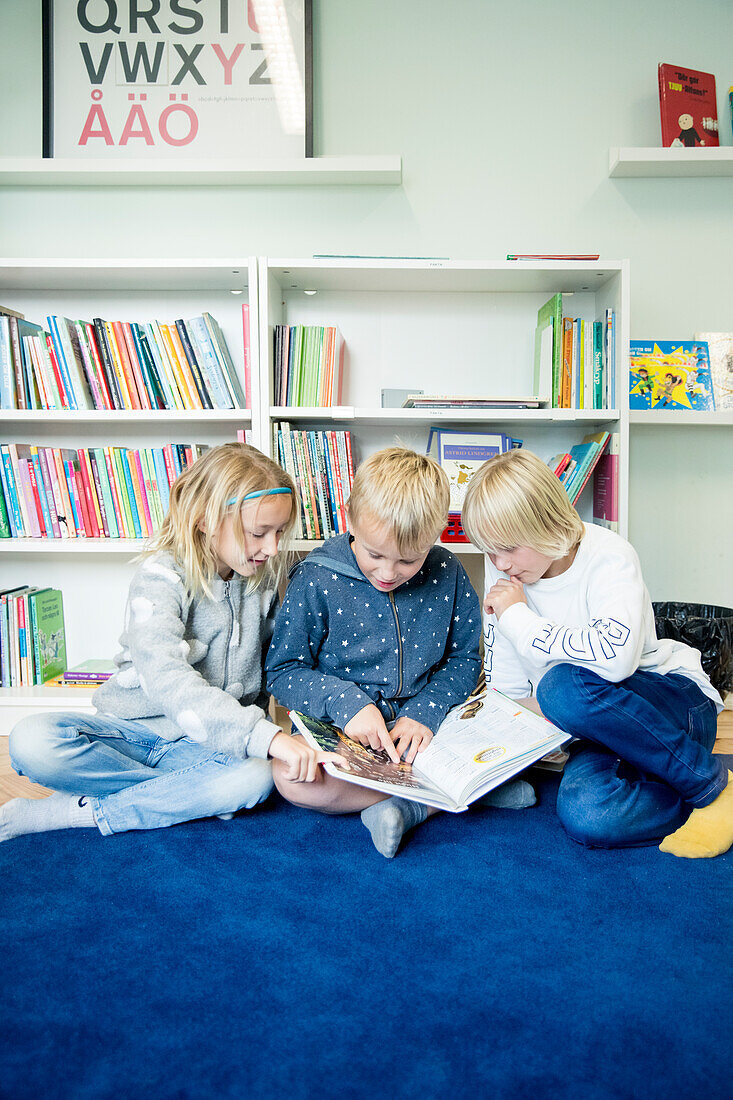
[[5, 531], [49, 637]]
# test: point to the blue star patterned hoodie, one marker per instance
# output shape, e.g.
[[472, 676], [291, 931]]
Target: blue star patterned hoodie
[[340, 644]]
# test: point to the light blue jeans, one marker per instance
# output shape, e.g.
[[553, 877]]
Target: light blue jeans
[[134, 779]]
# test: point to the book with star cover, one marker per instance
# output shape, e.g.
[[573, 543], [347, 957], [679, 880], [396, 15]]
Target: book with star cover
[[670, 374], [479, 745]]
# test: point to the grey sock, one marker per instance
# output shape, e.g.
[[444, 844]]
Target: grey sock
[[389, 820], [517, 794], [41, 815]]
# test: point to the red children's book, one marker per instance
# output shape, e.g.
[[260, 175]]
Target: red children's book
[[688, 107]]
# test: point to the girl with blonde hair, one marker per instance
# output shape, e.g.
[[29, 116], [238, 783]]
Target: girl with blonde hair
[[181, 729]]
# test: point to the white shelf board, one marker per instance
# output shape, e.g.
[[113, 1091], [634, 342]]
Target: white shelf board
[[46, 695], [682, 418], [124, 274], [232, 172], [128, 547], [379, 416], [124, 416], [364, 273], [659, 162]]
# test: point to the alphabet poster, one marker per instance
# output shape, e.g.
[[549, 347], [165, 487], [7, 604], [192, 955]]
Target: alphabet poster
[[177, 78]]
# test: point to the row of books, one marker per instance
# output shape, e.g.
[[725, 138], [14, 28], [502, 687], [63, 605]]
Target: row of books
[[574, 467], [321, 465], [93, 492], [574, 359], [461, 454], [308, 365], [32, 636], [118, 364]]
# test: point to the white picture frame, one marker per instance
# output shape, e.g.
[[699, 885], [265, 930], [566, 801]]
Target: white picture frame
[[185, 79]]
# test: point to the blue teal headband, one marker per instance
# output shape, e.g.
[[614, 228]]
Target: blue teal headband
[[258, 493]]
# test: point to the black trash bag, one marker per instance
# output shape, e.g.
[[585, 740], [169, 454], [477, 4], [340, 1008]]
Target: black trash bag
[[706, 628]]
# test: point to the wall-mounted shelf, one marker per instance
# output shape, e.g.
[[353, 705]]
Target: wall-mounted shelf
[[681, 418], [321, 171], [654, 162]]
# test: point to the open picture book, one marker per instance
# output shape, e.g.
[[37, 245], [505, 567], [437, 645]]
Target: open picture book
[[478, 746]]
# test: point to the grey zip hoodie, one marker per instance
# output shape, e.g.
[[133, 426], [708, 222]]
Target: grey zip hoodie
[[194, 667]]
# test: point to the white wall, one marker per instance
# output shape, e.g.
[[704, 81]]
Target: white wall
[[504, 115]]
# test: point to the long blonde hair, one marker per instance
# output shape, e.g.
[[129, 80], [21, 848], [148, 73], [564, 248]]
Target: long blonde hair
[[514, 499], [213, 487]]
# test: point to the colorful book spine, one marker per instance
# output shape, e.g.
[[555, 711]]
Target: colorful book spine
[[25, 493], [73, 493], [598, 386], [6, 531], [96, 486], [40, 492], [165, 371], [125, 339], [161, 475], [186, 354], [247, 356], [183, 378], [85, 495], [66, 512], [110, 374], [7, 475], [114, 488], [130, 492], [203, 347], [150, 374], [123, 369], [221, 350], [8, 396], [139, 480]]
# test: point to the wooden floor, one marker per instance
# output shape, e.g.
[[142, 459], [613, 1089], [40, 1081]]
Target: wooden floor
[[14, 786]]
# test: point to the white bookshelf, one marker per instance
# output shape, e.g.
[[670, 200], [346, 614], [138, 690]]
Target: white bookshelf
[[439, 326], [94, 574], [443, 327]]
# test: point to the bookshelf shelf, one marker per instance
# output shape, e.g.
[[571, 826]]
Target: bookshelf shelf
[[288, 172], [128, 547], [653, 162], [382, 416], [241, 417], [17, 702], [47, 695], [719, 418]]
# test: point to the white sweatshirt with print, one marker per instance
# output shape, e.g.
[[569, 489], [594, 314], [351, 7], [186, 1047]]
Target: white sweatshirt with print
[[597, 613]]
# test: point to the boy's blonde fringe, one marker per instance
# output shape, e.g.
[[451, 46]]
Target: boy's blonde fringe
[[198, 504], [403, 491], [513, 500]]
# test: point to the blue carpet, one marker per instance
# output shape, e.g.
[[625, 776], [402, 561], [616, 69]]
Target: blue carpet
[[278, 955]]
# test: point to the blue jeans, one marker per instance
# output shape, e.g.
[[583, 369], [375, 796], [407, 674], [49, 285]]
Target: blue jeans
[[134, 778], [650, 762]]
